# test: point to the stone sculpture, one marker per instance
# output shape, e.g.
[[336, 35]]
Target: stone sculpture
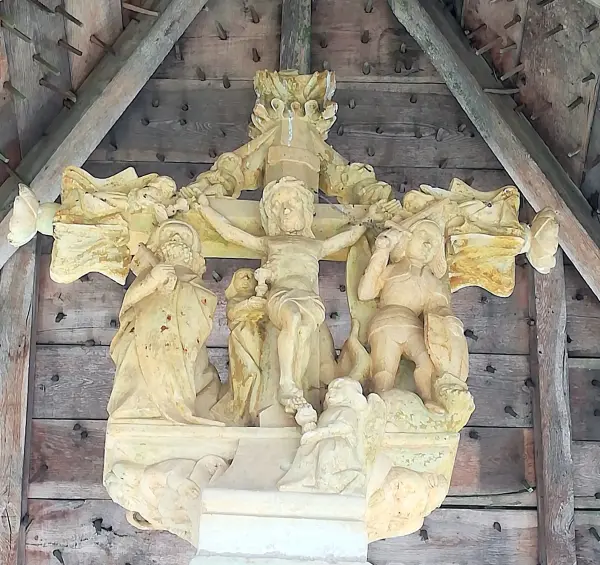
[[262, 453]]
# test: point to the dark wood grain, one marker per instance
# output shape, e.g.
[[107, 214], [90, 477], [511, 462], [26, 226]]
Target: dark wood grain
[[513, 140], [67, 462], [401, 179], [217, 118], [584, 388], [296, 33], [17, 353], [583, 316], [552, 418], [468, 536], [102, 19], [498, 325], [101, 100], [35, 113], [75, 382]]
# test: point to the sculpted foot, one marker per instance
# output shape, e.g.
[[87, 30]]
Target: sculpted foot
[[434, 407]]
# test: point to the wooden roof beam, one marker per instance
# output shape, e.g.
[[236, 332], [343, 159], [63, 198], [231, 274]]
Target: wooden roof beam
[[510, 136], [101, 100]]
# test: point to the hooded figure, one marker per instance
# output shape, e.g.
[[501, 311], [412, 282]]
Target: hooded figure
[[160, 349]]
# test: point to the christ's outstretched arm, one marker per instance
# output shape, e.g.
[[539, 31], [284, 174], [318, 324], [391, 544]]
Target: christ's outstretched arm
[[342, 240], [227, 230]]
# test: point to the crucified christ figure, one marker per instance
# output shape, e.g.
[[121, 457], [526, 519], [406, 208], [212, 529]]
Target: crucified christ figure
[[290, 271]]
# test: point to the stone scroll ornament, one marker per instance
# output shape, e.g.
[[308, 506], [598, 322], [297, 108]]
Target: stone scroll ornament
[[342, 449]]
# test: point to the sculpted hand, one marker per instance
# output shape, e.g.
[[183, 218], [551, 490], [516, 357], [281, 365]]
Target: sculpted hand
[[202, 200], [387, 239], [382, 211]]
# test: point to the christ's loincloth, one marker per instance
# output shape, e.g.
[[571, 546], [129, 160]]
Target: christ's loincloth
[[308, 304]]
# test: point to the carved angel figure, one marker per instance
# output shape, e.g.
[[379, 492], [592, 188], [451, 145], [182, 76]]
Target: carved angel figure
[[160, 349], [399, 505], [406, 272], [291, 271], [165, 495], [334, 457], [245, 317]]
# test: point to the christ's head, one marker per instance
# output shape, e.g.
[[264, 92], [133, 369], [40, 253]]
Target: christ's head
[[287, 208]]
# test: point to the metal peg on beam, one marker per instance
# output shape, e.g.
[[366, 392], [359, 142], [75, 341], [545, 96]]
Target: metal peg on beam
[[16, 93], [489, 46], [43, 63], [105, 47], [594, 25], [254, 15], [512, 22], [554, 30], [8, 24], [60, 10], [69, 94], [470, 32], [505, 91], [62, 43], [41, 6], [132, 8], [507, 48], [512, 72], [577, 102], [221, 31]]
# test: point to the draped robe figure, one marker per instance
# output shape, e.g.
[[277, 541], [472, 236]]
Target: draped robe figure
[[160, 353]]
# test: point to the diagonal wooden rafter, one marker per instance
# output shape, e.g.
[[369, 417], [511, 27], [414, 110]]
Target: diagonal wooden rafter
[[513, 140], [101, 100]]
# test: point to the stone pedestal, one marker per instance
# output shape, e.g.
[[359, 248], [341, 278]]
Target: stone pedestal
[[269, 527]]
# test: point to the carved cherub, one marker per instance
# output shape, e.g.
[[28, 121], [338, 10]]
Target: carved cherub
[[334, 456], [407, 272], [399, 505], [160, 349], [162, 496], [290, 270]]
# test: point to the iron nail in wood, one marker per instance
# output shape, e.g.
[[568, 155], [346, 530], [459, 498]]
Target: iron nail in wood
[[10, 88], [543, 3], [512, 72], [105, 47], [554, 30], [4, 158], [254, 15], [325, 65], [62, 43], [8, 24], [508, 48], [489, 46], [48, 66], [571, 154], [512, 22], [60, 10], [577, 102], [223, 35], [69, 94], [366, 68], [323, 42], [502, 91], [402, 48], [365, 36], [226, 82], [132, 8], [594, 533], [594, 25], [588, 78], [255, 55], [340, 130], [368, 6], [200, 74], [41, 6], [470, 32]]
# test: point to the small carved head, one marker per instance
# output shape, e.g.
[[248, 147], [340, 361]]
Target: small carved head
[[177, 243], [425, 245], [543, 241], [345, 392], [287, 208], [243, 284], [158, 191]]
